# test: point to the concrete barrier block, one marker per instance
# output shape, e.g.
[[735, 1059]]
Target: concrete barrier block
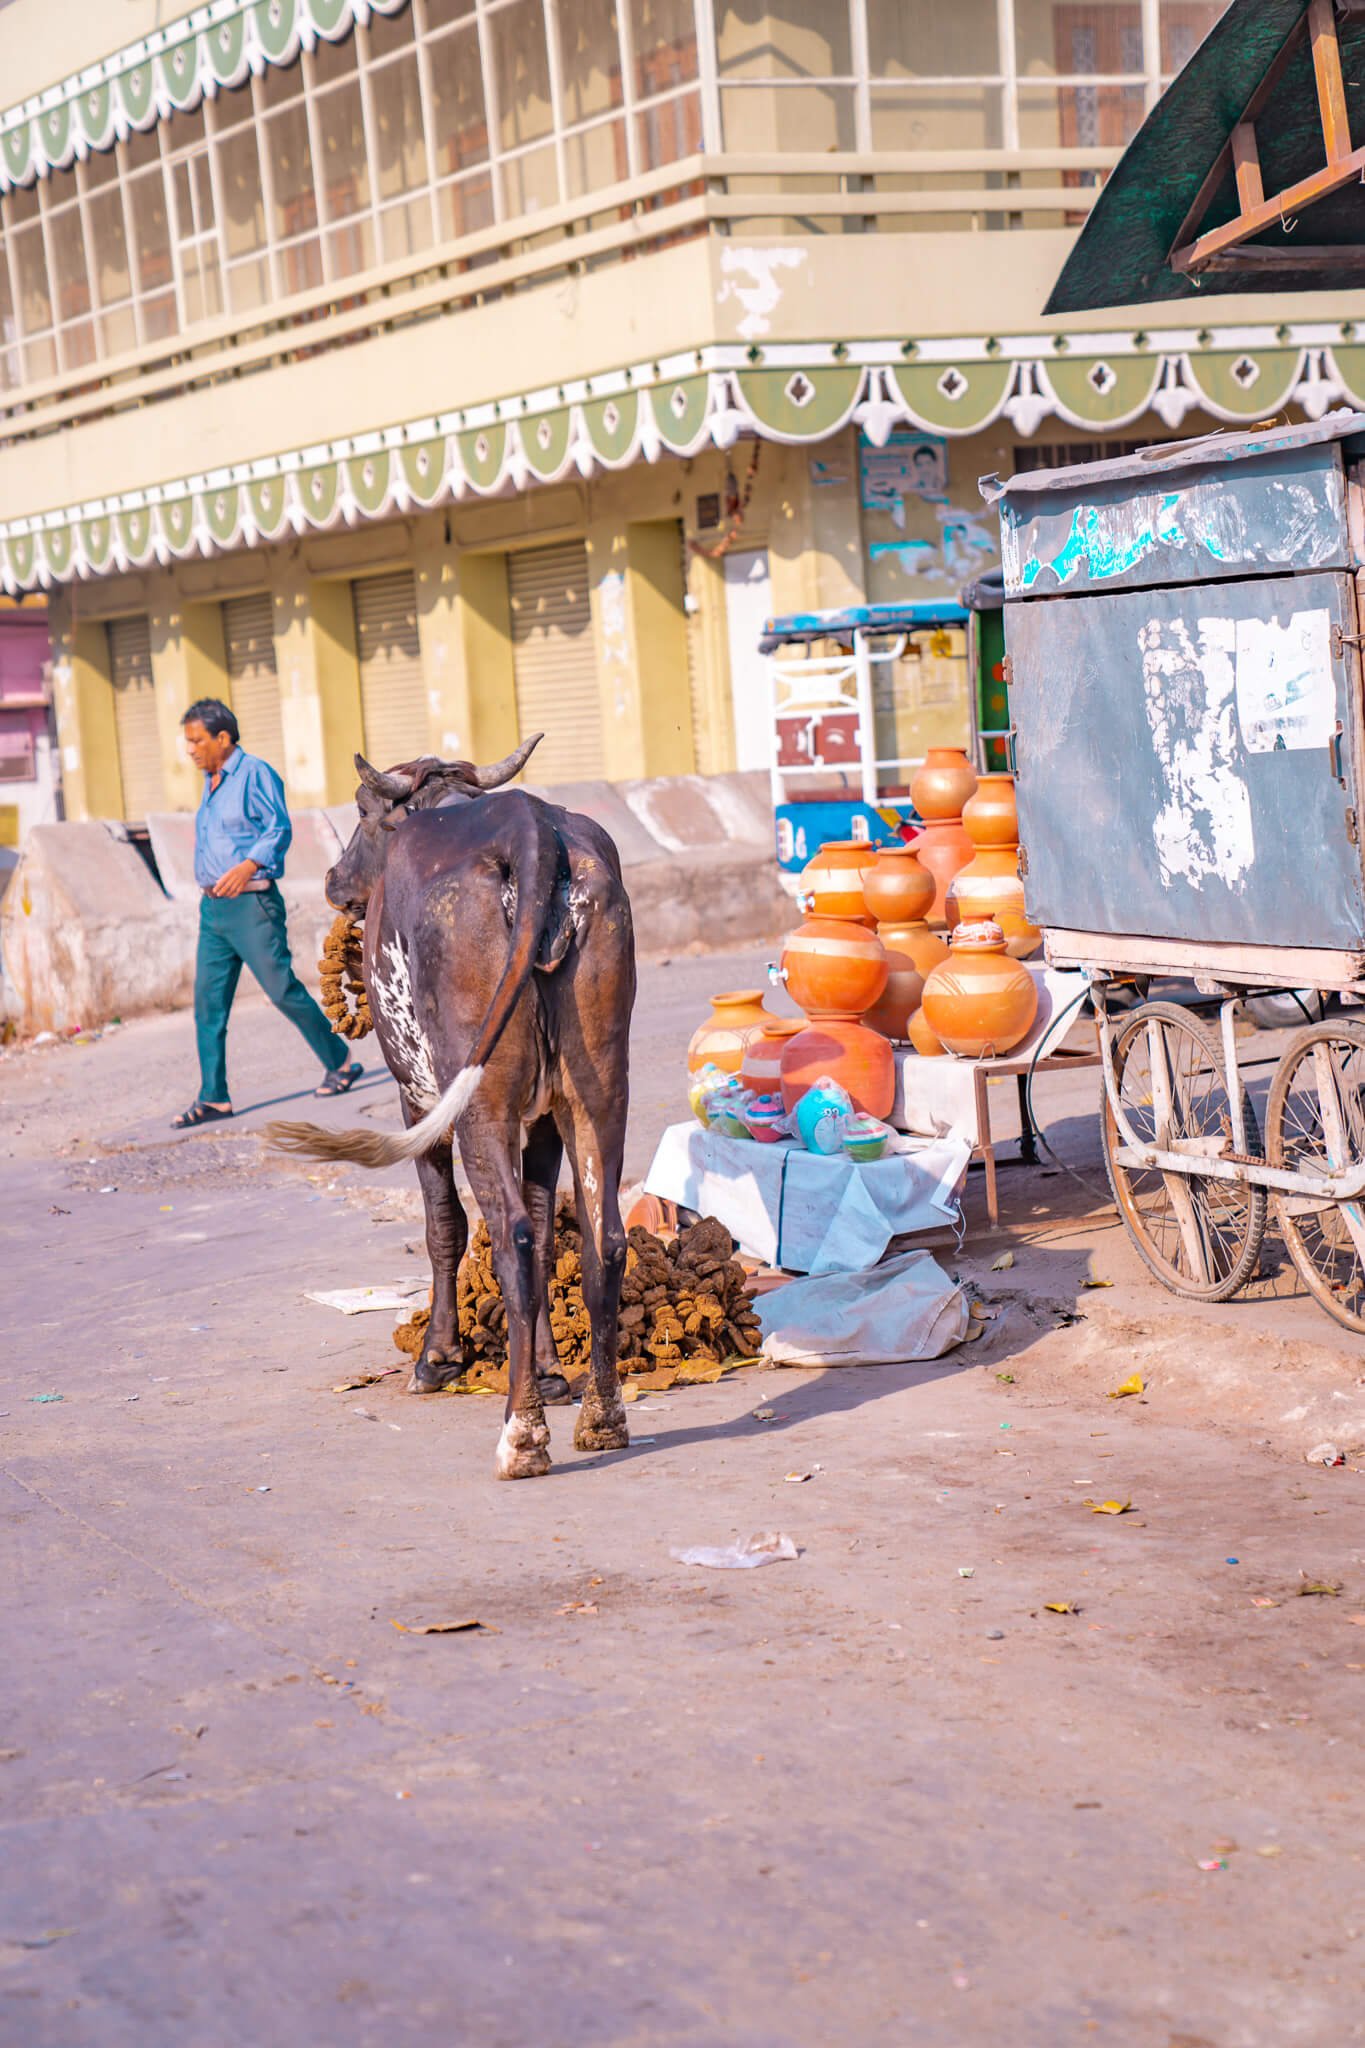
[[744, 800], [712, 897], [603, 803], [172, 840], [681, 812], [314, 848], [87, 934]]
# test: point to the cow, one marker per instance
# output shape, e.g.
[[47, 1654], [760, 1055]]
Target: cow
[[499, 963]]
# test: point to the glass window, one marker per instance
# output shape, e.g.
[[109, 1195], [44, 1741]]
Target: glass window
[[400, 151], [1078, 39], [522, 69], [277, 86], [441, 13], [239, 180], [405, 229], [589, 60], [351, 249], [663, 35], [196, 238], [596, 156], [291, 173], [668, 130], [390, 32], [530, 182], [806, 118], [457, 109], [907, 40], [66, 238], [334, 62], [109, 246], [11, 372], [1184, 25], [937, 117], [465, 206], [799, 39], [1079, 116], [345, 170]]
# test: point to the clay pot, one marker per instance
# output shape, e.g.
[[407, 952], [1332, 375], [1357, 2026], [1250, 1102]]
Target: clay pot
[[912, 950], [979, 1001], [832, 881], [992, 816], [761, 1067], [943, 784], [844, 1051], [720, 1040], [944, 849], [896, 888], [922, 1038], [833, 967], [989, 886]]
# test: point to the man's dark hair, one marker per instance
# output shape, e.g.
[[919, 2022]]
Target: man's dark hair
[[213, 714]]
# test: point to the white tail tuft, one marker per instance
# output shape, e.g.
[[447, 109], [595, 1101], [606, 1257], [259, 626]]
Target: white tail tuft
[[420, 1137], [368, 1148]]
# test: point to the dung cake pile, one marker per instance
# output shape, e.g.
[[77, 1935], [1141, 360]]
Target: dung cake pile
[[685, 1315]]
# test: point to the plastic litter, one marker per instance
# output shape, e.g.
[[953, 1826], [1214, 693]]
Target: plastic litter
[[1324, 1454], [768, 1546]]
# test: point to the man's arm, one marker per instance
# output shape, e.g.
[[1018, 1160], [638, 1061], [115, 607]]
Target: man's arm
[[265, 810]]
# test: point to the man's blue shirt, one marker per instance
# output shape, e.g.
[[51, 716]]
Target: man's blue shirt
[[245, 818]]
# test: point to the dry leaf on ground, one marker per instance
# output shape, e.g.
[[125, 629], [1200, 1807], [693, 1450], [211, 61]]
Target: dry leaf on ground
[[444, 1628]]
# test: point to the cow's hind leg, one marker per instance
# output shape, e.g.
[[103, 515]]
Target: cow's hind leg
[[540, 1163], [443, 1355], [492, 1158], [596, 1154]]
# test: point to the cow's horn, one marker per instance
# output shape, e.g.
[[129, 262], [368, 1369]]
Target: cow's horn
[[394, 787], [503, 771]]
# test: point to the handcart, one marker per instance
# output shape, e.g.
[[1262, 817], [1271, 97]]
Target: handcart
[[1183, 631]]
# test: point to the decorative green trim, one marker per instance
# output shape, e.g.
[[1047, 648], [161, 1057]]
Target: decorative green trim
[[213, 46], [703, 397]]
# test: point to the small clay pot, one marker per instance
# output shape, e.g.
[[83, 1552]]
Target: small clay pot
[[926, 1044], [979, 1002], [896, 888], [720, 1040], [760, 1069], [831, 882], [912, 950], [943, 784], [992, 815], [834, 968], [990, 886], [944, 849]]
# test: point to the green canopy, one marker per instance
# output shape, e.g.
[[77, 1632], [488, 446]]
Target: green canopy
[[1246, 176]]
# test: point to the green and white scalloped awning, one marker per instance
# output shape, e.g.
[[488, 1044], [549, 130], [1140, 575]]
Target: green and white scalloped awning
[[799, 394], [213, 47]]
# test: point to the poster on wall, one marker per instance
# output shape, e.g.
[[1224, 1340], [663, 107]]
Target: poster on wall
[[911, 465]]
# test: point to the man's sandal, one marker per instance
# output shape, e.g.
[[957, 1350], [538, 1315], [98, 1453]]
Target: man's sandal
[[199, 1113], [341, 1080]]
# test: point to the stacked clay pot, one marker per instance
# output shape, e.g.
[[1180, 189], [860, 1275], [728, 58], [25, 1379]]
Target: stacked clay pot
[[940, 789], [898, 891], [760, 1070], [835, 968], [720, 1040], [990, 884], [831, 882], [979, 1002]]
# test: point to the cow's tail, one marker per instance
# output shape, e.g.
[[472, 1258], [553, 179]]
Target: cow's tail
[[533, 854]]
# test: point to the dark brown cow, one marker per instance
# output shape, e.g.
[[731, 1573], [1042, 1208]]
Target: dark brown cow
[[499, 962]]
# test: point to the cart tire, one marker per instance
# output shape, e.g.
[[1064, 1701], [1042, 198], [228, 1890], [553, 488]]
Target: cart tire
[[1326, 1242], [1201, 1237]]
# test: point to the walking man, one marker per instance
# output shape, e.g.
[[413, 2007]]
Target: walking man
[[241, 835]]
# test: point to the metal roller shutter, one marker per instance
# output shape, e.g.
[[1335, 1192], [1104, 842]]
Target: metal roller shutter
[[554, 663], [253, 679], [393, 700], [136, 731]]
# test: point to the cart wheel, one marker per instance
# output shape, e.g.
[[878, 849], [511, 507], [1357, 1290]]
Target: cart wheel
[[1200, 1236], [1315, 1124]]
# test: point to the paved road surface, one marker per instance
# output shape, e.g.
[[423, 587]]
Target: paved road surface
[[880, 1795]]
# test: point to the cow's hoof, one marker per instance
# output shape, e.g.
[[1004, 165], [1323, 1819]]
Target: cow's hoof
[[600, 1432], [523, 1448], [433, 1373], [554, 1390]]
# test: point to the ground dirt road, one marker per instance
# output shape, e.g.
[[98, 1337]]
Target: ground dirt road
[[878, 1795]]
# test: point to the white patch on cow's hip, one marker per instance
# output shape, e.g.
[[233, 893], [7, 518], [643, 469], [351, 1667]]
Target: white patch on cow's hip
[[411, 1055]]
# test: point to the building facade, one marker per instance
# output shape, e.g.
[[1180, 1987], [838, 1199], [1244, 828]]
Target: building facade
[[420, 373]]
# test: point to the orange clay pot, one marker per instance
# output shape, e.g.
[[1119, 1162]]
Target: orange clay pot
[[847, 1052], [943, 784], [832, 881], [912, 950], [979, 1001], [834, 968], [992, 816], [923, 1039], [944, 849], [896, 889], [761, 1067], [720, 1040], [989, 886]]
